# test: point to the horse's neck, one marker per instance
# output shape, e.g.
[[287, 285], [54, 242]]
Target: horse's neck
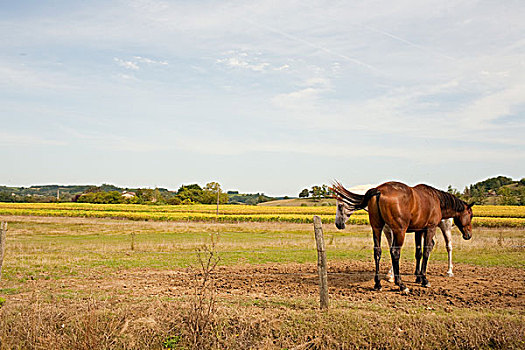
[[448, 213]]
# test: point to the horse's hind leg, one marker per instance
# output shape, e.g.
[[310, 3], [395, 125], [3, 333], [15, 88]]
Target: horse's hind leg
[[446, 228], [395, 253], [377, 255], [389, 237], [418, 235], [428, 245]]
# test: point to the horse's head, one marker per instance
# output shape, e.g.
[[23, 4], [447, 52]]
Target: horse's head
[[463, 221], [342, 214]]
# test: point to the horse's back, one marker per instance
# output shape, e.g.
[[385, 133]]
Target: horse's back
[[395, 202], [394, 188], [407, 207], [396, 194]]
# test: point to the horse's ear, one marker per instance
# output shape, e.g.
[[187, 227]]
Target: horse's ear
[[471, 205]]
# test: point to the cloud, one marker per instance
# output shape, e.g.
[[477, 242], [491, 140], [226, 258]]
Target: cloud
[[347, 79], [31, 77], [128, 77], [13, 138], [424, 153], [283, 67], [150, 61], [116, 141], [481, 112], [135, 63], [305, 97], [126, 64], [244, 60]]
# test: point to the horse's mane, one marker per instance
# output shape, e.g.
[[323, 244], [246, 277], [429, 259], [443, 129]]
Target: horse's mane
[[447, 200]]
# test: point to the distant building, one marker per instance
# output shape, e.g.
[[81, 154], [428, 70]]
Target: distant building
[[128, 195]]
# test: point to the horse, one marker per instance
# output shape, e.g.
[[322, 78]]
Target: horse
[[445, 226], [417, 209]]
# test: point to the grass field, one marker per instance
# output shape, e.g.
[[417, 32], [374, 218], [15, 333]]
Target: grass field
[[99, 283]]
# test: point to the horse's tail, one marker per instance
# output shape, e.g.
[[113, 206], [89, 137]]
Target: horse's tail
[[368, 195], [353, 200]]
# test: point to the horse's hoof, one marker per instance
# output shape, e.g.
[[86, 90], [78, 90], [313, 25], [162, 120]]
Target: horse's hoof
[[425, 284], [450, 274], [405, 290], [377, 288], [418, 279]]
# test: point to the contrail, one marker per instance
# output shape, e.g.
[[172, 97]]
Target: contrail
[[315, 46], [410, 43]]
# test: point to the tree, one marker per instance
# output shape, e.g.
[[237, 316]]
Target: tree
[[192, 193], [316, 192], [325, 191], [506, 196], [145, 195], [304, 193], [6, 197], [453, 191], [492, 183], [521, 196], [174, 200], [209, 194], [93, 189], [112, 197]]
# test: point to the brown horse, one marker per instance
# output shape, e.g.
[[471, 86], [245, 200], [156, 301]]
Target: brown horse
[[417, 209]]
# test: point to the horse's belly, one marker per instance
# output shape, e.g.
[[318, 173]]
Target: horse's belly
[[420, 227]]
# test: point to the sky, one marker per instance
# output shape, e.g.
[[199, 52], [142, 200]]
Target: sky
[[261, 96]]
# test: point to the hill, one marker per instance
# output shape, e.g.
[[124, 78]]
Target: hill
[[500, 190], [54, 193], [299, 202]]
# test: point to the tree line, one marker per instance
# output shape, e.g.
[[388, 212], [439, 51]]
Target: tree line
[[316, 192], [499, 190], [496, 190], [109, 194], [211, 193]]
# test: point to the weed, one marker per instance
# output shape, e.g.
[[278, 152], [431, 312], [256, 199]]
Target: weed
[[171, 342], [203, 303]]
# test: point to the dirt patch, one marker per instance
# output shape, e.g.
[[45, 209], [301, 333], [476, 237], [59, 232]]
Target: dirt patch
[[271, 306], [471, 287]]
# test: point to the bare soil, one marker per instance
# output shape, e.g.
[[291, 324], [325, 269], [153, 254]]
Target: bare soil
[[471, 287]]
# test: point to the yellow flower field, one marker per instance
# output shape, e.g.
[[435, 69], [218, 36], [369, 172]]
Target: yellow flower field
[[487, 216]]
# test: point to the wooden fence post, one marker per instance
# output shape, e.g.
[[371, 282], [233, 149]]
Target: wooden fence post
[[321, 263], [133, 240], [3, 231], [218, 197]]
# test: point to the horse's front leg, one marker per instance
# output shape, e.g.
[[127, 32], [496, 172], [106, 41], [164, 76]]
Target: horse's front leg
[[395, 254], [418, 235], [377, 256], [427, 248]]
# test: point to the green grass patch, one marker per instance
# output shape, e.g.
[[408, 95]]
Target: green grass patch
[[9, 291], [56, 249]]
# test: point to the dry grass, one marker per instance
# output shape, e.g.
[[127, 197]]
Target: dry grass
[[106, 324], [73, 283]]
